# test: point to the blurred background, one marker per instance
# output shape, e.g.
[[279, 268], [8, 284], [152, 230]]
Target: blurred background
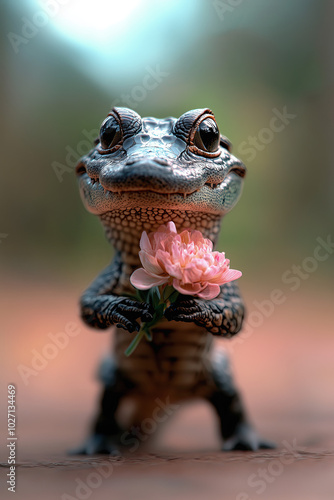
[[266, 70], [64, 66]]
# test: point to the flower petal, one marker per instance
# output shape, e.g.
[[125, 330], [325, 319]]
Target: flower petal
[[187, 288], [163, 258], [142, 280], [213, 272], [174, 270], [187, 260], [230, 275], [150, 263], [191, 273], [145, 243], [171, 227], [209, 292]]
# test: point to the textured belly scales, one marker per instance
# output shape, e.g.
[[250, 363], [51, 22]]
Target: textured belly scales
[[176, 362]]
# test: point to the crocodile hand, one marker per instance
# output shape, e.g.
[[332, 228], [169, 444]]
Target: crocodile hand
[[106, 310], [221, 316]]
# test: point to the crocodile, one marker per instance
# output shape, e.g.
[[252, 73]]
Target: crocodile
[[143, 173]]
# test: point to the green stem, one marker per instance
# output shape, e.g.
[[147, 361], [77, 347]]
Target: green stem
[[167, 296], [135, 341]]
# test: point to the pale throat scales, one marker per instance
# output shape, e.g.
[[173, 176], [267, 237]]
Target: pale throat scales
[[124, 228]]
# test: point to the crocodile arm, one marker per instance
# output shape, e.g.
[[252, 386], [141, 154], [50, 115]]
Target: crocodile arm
[[101, 309]]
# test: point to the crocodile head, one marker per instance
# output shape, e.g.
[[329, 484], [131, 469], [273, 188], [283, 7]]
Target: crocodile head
[[174, 169]]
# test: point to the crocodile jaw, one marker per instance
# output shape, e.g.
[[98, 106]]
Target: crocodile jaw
[[210, 198]]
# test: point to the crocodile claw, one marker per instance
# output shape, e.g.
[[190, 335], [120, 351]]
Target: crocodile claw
[[246, 439], [97, 444], [125, 313]]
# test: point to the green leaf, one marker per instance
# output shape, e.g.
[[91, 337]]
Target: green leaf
[[173, 297], [168, 291], [159, 312], [154, 296], [142, 295]]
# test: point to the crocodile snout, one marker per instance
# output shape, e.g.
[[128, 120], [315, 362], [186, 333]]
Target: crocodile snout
[[146, 174]]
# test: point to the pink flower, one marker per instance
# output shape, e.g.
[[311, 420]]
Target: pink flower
[[185, 261]]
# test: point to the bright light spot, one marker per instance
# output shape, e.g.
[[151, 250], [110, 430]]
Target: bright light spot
[[93, 21], [114, 41]]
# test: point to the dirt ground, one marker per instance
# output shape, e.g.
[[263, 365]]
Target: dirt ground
[[284, 368]]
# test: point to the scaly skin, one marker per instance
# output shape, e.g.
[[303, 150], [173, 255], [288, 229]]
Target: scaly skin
[[142, 173]]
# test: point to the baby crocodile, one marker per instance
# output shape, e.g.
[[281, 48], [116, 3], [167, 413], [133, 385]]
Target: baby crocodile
[[142, 173]]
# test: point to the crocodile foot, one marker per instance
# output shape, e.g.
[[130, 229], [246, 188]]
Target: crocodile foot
[[246, 439], [97, 444]]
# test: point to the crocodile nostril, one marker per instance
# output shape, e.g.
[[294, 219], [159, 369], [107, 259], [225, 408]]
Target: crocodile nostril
[[81, 168], [130, 161], [161, 161], [158, 161]]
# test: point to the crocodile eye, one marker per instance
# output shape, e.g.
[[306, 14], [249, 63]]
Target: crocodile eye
[[207, 136], [110, 133]]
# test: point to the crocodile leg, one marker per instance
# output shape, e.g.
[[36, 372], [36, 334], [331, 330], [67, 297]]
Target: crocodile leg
[[236, 431], [105, 435]]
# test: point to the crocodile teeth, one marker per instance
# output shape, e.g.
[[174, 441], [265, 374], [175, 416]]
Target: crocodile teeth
[[211, 184], [184, 196], [168, 196]]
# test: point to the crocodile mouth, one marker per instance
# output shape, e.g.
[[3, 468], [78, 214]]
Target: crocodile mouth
[[215, 194], [94, 183]]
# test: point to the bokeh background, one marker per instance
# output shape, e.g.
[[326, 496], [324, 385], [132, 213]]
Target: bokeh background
[[64, 65]]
